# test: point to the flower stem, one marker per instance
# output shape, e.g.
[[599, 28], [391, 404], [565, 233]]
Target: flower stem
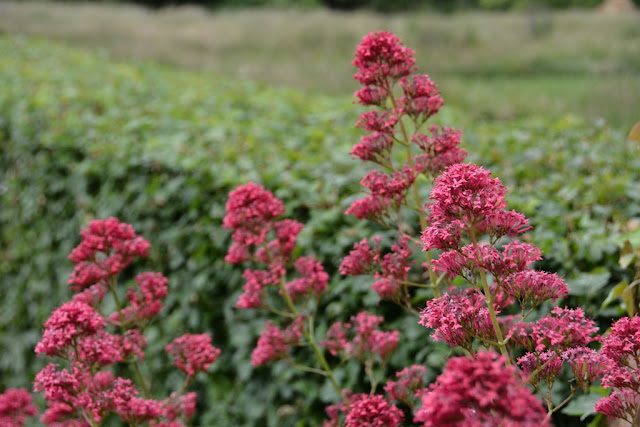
[[416, 195], [492, 311], [136, 366], [308, 334]]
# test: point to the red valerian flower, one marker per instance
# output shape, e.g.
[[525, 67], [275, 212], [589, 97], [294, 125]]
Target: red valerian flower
[[274, 343], [68, 323], [375, 411], [562, 329], [381, 57], [374, 147], [466, 192], [108, 246], [193, 353], [473, 391], [361, 410], [621, 404], [552, 363], [410, 381], [146, 300], [458, 318], [15, 407], [530, 287], [313, 279], [421, 98], [367, 340], [256, 281], [438, 151], [250, 209], [622, 344]]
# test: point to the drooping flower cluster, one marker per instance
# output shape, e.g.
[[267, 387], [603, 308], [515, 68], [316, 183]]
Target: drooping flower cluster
[[622, 348], [83, 391], [480, 391], [361, 339], [15, 407], [364, 410]]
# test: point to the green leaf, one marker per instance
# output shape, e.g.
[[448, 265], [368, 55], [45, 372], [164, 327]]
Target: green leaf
[[615, 293], [588, 283], [582, 406], [627, 297]]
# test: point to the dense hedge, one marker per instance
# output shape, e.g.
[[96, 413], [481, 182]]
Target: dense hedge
[[84, 137]]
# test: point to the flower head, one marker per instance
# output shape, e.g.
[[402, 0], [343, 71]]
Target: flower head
[[192, 353], [67, 324], [274, 343], [250, 210], [15, 407], [381, 57], [108, 246], [410, 381], [472, 392]]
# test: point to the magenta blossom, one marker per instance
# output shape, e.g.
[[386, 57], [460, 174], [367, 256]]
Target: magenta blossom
[[192, 353]]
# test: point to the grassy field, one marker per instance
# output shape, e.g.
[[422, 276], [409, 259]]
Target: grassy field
[[494, 66]]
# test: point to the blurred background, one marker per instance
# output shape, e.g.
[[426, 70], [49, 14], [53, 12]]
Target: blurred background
[[153, 111]]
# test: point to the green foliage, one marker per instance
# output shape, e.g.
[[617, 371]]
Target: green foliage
[[84, 137]]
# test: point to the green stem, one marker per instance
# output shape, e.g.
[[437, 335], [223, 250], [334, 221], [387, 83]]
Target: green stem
[[143, 383], [540, 368], [308, 334], [416, 195], [136, 366], [564, 402], [492, 311]]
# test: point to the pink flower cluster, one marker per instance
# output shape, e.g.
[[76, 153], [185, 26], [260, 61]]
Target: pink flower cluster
[[193, 353], [466, 200], [364, 410], [250, 209], [458, 318], [251, 213], [84, 392], [15, 407], [366, 340], [480, 391], [622, 348], [410, 381], [275, 343], [385, 192], [312, 279], [561, 330], [391, 270], [107, 248]]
